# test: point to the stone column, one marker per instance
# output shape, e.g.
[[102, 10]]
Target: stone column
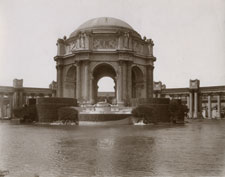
[[129, 80], [218, 106], [1, 105], [11, 105], [150, 81], [15, 99], [124, 82], [195, 104], [86, 81], [188, 101], [78, 81], [91, 90], [59, 80], [209, 107], [21, 102], [191, 105], [119, 85]]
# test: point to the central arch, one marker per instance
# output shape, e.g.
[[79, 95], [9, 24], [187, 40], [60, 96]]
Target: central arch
[[100, 71]]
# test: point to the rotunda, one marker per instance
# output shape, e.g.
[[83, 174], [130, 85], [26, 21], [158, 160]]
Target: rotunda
[[103, 47]]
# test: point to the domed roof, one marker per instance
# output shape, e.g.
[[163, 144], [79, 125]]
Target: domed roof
[[102, 22]]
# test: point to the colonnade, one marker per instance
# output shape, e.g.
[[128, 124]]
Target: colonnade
[[195, 104], [87, 76], [218, 104], [9, 101], [6, 106], [194, 101]]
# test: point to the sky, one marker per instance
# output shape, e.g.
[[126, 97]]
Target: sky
[[189, 36]]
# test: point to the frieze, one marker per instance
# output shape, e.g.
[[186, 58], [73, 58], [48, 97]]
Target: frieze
[[104, 43]]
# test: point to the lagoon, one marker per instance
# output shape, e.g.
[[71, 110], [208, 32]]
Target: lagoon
[[194, 149]]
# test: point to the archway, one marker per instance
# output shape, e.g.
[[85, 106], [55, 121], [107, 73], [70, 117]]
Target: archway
[[137, 82], [70, 83], [102, 71], [106, 90]]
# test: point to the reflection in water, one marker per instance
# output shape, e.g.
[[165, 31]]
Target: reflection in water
[[194, 149]]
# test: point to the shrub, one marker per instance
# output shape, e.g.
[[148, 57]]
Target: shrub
[[19, 112], [26, 113], [68, 114], [144, 113], [177, 110]]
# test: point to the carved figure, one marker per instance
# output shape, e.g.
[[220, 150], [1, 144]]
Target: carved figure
[[104, 44], [96, 44], [82, 40], [126, 40]]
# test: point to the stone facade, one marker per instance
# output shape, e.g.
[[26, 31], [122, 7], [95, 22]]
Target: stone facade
[[17, 96], [207, 102], [105, 47]]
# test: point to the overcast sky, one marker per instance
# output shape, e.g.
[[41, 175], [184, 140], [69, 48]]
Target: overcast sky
[[189, 36]]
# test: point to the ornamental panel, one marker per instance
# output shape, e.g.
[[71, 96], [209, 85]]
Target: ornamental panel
[[100, 43]]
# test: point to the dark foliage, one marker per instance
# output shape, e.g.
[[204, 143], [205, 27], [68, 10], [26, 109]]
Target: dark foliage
[[68, 114], [177, 110], [26, 113], [19, 112], [144, 113]]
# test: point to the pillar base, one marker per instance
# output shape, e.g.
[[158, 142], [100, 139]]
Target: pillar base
[[120, 104], [92, 101], [196, 115], [190, 115]]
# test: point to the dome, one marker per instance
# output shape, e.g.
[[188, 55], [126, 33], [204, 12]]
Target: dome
[[102, 22]]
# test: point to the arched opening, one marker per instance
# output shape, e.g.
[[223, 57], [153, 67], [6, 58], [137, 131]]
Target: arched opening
[[104, 83], [137, 82], [106, 89], [70, 83]]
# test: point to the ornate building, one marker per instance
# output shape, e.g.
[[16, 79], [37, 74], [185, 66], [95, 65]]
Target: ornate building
[[105, 47], [110, 47]]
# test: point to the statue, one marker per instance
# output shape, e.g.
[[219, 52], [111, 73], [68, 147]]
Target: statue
[[82, 40], [126, 40], [150, 46]]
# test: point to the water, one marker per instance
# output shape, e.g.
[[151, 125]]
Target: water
[[195, 149]]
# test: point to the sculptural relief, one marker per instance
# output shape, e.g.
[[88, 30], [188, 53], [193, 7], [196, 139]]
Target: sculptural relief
[[104, 43], [74, 44], [80, 43]]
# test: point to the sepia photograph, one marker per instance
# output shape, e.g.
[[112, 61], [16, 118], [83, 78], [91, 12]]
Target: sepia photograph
[[121, 88]]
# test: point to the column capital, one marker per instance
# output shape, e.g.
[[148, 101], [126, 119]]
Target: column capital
[[150, 67], [120, 62], [86, 62], [59, 66], [77, 63], [219, 93], [92, 77]]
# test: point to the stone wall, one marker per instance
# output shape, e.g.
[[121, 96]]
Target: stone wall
[[102, 117], [47, 108]]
